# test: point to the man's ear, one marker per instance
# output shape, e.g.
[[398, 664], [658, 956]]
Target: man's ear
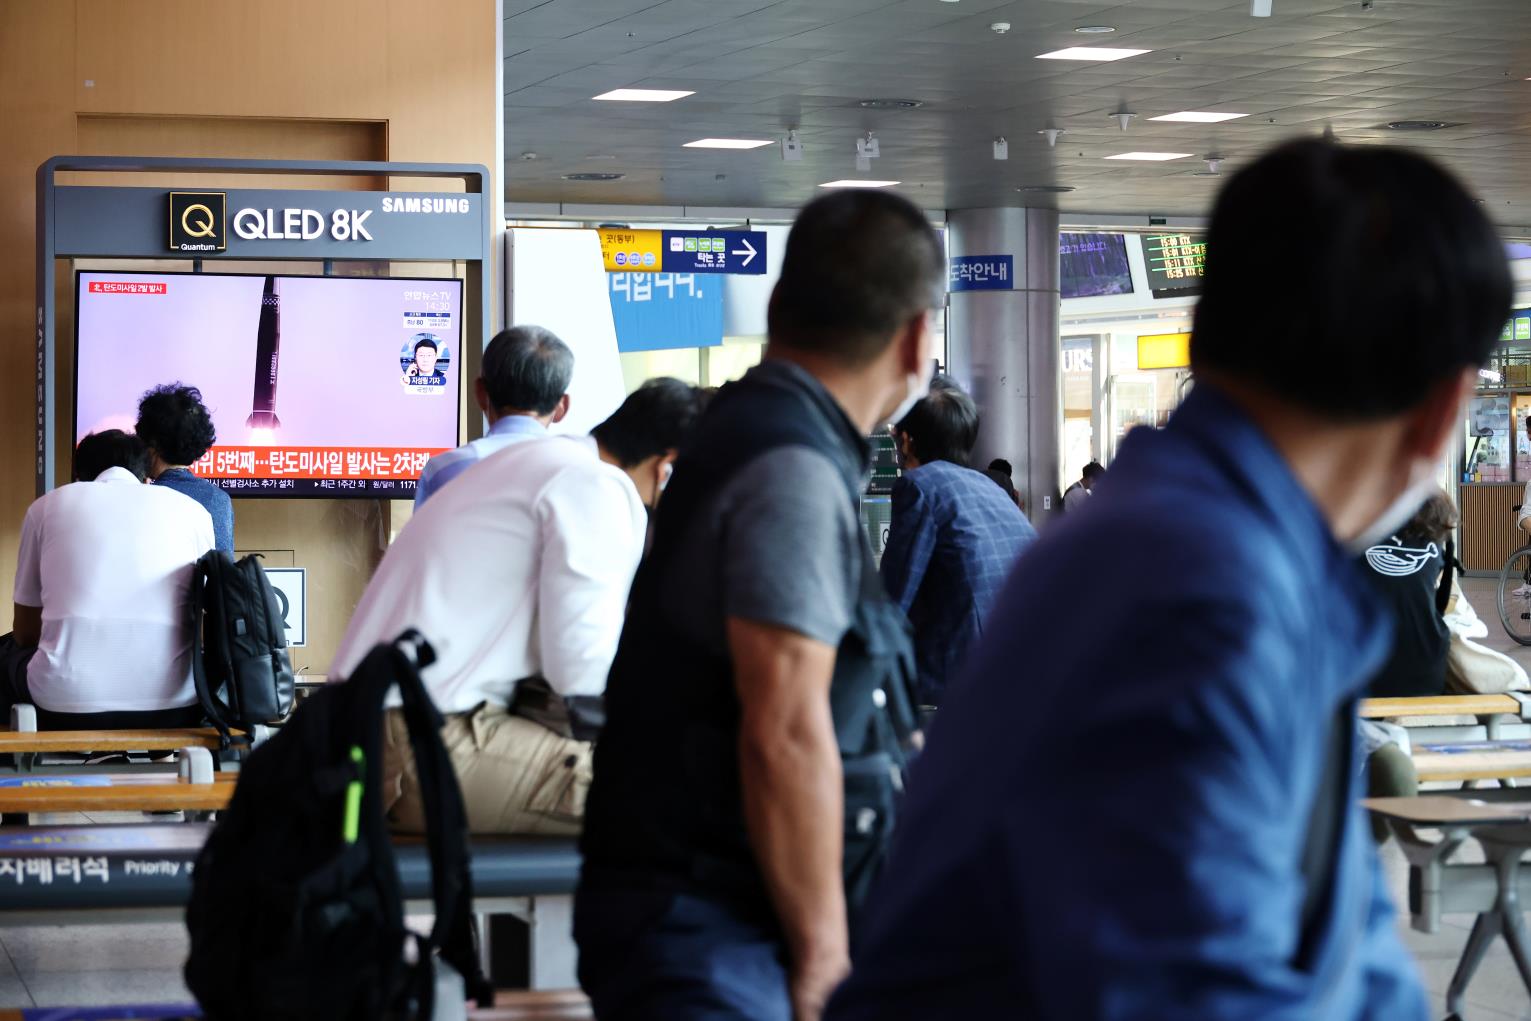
[[1439, 416], [913, 345], [561, 409], [481, 396]]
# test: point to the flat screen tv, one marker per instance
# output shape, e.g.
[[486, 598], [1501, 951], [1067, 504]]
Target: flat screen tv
[[318, 386], [1093, 265]]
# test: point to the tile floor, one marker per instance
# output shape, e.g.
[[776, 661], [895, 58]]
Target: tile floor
[[80, 965]]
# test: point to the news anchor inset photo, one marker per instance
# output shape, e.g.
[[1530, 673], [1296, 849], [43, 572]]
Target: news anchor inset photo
[[424, 360]]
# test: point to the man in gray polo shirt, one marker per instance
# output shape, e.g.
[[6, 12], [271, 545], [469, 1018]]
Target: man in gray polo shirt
[[719, 868]]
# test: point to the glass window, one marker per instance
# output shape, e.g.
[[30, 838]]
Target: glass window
[[1488, 440]]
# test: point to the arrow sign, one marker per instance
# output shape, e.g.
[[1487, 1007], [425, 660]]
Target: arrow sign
[[710, 251], [748, 252]]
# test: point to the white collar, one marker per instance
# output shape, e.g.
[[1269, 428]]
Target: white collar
[[116, 474]]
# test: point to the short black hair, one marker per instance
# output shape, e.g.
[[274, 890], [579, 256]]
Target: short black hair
[[858, 266], [1399, 280], [942, 426], [427, 342], [110, 448], [1093, 470], [999, 464], [526, 368], [655, 419], [174, 423]]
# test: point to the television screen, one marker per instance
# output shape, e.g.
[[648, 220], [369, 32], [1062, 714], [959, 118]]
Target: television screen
[[1091, 265], [1175, 264], [318, 386]]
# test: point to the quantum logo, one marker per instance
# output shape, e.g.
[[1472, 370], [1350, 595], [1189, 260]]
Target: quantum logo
[[197, 221]]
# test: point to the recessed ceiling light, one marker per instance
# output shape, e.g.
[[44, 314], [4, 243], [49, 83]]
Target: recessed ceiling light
[[1047, 189], [1095, 29], [858, 182], [1199, 117], [1150, 157], [892, 104], [643, 95], [593, 177], [727, 143], [1415, 125], [600, 156], [1091, 53]]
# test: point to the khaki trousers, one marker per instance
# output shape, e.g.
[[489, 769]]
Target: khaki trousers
[[516, 776]]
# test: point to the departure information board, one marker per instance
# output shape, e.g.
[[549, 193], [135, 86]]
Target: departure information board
[[1175, 263]]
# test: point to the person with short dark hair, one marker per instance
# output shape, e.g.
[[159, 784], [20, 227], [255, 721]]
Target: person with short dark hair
[[176, 428], [101, 637], [1074, 496], [718, 876], [1141, 800], [953, 538], [521, 569], [1002, 475], [522, 388]]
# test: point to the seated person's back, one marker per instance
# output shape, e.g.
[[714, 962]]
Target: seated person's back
[[176, 428], [108, 563], [1406, 572]]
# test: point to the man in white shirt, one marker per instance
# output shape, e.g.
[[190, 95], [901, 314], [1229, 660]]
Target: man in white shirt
[[523, 387], [1075, 496], [102, 633], [521, 569]]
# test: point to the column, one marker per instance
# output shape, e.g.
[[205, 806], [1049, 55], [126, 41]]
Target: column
[[1003, 347]]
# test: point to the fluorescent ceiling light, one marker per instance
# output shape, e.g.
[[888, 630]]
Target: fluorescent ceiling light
[[1199, 117], [1149, 157], [643, 95], [858, 182], [1091, 53], [727, 143]]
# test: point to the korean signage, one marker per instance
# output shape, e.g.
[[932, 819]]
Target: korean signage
[[1518, 328], [654, 311], [1175, 263], [626, 250], [981, 273]]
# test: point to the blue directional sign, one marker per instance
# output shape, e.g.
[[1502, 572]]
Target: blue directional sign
[[981, 273], [714, 251]]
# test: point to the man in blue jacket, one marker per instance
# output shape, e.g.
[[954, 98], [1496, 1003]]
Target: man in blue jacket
[[1140, 800], [953, 538]]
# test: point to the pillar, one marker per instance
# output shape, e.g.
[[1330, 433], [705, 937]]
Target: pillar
[[1003, 347]]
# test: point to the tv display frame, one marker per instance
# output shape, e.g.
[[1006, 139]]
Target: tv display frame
[[1115, 251], [303, 481]]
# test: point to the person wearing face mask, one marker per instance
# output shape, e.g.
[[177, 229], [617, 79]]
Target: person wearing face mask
[[518, 575], [737, 813], [1187, 842]]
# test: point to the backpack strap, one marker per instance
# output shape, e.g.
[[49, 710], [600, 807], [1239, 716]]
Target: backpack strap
[[446, 822], [214, 708]]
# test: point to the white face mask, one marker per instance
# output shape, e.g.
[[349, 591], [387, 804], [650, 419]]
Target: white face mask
[[919, 389], [1394, 516]]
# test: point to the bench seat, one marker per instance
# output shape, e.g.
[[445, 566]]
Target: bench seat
[[1473, 760], [1440, 705], [130, 792], [28, 742], [510, 1005]]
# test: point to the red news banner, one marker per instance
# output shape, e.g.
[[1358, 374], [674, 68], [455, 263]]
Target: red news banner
[[314, 462]]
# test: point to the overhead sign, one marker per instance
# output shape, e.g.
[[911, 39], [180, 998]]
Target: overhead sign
[[266, 224], [197, 221], [291, 585], [1175, 263], [1164, 351], [626, 250], [981, 273], [656, 311]]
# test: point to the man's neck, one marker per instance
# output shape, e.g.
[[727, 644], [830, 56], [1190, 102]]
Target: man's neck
[[861, 396], [158, 467], [495, 417]]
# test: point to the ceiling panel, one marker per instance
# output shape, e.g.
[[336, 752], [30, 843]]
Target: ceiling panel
[[762, 67]]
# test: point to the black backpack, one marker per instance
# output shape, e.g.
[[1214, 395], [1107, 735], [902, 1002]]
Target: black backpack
[[296, 911], [239, 644]]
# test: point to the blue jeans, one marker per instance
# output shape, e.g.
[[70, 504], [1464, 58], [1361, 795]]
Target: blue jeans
[[646, 955]]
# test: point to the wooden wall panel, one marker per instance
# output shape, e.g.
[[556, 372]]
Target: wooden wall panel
[[1489, 534], [337, 79]]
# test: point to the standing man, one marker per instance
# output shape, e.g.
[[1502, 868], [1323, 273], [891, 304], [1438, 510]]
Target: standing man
[[953, 538], [550, 534], [1074, 496], [522, 389], [758, 647], [1189, 845], [177, 430]]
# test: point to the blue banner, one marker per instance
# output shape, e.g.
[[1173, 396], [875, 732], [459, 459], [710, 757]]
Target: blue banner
[[655, 311], [981, 273]]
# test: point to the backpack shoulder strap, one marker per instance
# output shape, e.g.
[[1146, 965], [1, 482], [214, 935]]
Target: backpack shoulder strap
[[446, 822], [207, 611]]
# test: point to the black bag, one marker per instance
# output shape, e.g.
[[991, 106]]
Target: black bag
[[239, 644], [574, 717], [296, 912]]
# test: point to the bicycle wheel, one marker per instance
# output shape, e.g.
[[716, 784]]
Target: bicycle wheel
[[1515, 596]]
